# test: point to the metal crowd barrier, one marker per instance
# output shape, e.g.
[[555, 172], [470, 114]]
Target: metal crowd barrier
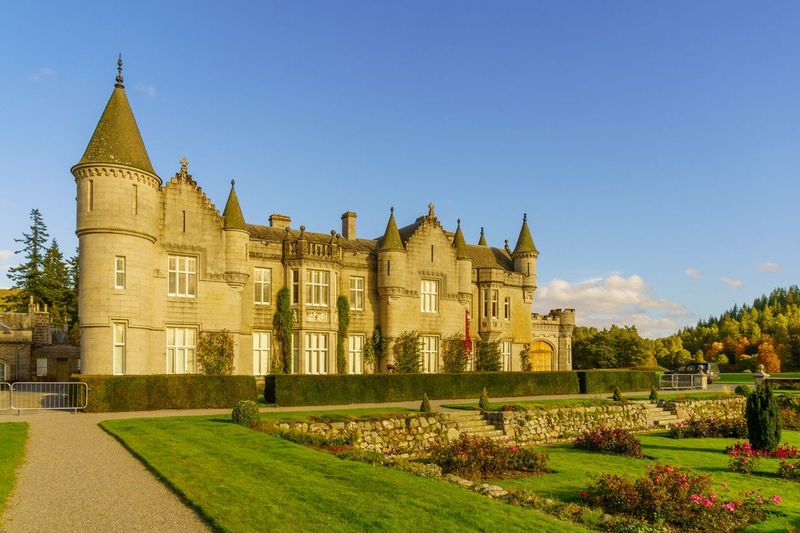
[[5, 396], [28, 395], [681, 381]]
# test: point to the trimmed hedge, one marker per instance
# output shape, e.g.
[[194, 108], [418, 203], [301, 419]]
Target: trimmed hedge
[[149, 393], [600, 381], [370, 388]]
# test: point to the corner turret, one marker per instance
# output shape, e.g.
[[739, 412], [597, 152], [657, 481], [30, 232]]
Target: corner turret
[[464, 265], [482, 240], [236, 240], [524, 255], [391, 259]]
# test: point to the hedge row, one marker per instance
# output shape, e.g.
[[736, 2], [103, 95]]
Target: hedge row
[[370, 388], [148, 393], [600, 381]]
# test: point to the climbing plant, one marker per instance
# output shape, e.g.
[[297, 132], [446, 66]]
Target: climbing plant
[[283, 323], [215, 352], [343, 308], [407, 352], [375, 348]]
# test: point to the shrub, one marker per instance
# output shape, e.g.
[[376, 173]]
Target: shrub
[[420, 469], [245, 413], [283, 323], [711, 427], [454, 354], [653, 394], [743, 390], [407, 354], [601, 381], [478, 457], [363, 456], [790, 412], [679, 499], [483, 402], [343, 312], [176, 391], [373, 388], [789, 470], [487, 356], [763, 419], [375, 347], [425, 406], [215, 352], [525, 359], [743, 459], [605, 440], [617, 396]]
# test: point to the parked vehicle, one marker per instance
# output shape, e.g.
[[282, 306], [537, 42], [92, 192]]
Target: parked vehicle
[[710, 369]]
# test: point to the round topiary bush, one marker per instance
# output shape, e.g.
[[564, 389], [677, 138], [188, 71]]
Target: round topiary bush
[[743, 390], [245, 413]]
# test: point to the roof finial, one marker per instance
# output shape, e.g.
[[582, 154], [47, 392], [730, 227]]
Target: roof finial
[[119, 73], [525, 217], [481, 231], [391, 210], [431, 212], [233, 182], [458, 220], [184, 165]]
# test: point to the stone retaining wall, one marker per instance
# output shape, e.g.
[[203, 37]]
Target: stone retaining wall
[[724, 408], [414, 434]]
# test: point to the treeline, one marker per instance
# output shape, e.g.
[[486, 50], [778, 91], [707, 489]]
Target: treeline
[[44, 275], [766, 332]]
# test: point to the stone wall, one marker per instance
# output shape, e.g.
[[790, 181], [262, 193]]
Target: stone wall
[[401, 435], [556, 425], [724, 408], [415, 434]]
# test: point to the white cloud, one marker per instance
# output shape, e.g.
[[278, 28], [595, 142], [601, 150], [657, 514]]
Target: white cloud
[[733, 283], [41, 73], [149, 90], [692, 272], [6, 255], [618, 300], [768, 266]]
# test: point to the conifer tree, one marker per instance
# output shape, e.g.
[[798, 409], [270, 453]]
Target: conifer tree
[[27, 278], [763, 419], [55, 283]]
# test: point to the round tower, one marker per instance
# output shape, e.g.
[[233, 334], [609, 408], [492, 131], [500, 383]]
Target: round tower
[[236, 240], [117, 224], [464, 266], [391, 278], [524, 255]]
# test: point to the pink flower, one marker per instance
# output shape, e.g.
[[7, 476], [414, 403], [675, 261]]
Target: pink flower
[[776, 499], [695, 498], [708, 502], [730, 506], [584, 494], [760, 500]]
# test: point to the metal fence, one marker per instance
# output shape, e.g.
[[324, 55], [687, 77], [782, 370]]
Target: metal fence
[[5, 396], [682, 381], [28, 395]]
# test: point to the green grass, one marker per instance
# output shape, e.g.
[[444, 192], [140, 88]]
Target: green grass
[[12, 449], [589, 402], [335, 415], [747, 378], [243, 480], [573, 468]]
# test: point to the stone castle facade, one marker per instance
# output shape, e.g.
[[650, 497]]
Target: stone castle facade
[[159, 264]]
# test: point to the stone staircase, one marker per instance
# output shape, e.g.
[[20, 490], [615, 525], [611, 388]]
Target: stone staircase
[[475, 424], [659, 417]]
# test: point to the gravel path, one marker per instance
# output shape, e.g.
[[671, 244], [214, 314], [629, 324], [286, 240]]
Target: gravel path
[[75, 477]]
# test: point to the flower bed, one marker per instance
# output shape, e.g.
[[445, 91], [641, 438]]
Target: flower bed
[[744, 459], [476, 457], [735, 428], [679, 499], [605, 440], [789, 470]]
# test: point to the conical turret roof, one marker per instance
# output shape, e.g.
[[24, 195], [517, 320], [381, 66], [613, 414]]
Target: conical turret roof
[[391, 237], [482, 240], [116, 138], [460, 244], [525, 241], [234, 219]]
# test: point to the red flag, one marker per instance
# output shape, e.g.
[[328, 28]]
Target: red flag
[[467, 339]]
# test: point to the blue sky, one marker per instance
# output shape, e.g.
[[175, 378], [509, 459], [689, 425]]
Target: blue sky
[[654, 146]]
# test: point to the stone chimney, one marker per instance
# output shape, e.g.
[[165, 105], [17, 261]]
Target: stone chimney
[[279, 221], [349, 225]]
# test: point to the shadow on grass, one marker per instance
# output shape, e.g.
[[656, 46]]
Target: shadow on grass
[[209, 520]]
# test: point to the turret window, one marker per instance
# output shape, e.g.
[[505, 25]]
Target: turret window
[[317, 287], [90, 196], [295, 287], [507, 309], [429, 296], [357, 293], [119, 272], [182, 276], [495, 302], [119, 348], [263, 285]]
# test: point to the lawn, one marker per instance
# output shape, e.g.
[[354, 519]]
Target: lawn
[[573, 467], [244, 480], [588, 402], [747, 378], [335, 415], [12, 449]]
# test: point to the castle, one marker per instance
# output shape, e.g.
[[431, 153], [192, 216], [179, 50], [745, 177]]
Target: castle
[[159, 264]]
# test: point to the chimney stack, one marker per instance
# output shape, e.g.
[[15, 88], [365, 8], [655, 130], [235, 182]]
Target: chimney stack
[[279, 221], [349, 225]]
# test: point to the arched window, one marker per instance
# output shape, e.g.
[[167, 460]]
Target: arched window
[[541, 356]]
